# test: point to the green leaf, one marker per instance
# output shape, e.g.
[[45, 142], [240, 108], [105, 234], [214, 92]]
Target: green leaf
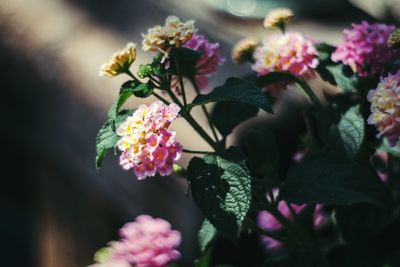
[[351, 130], [227, 115], [395, 151], [335, 73], [235, 90], [221, 187], [184, 61], [275, 77], [344, 77], [123, 96], [256, 143], [327, 179], [206, 235], [128, 89], [204, 260], [324, 51], [107, 138]]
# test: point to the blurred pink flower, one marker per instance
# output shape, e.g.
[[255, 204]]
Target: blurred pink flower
[[111, 263], [268, 222], [365, 48], [147, 242], [209, 61], [291, 52], [385, 108], [146, 143]]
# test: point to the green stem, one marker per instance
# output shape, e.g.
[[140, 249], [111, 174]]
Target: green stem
[[129, 73], [203, 107], [309, 92], [193, 122], [196, 151], [160, 98], [181, 85]]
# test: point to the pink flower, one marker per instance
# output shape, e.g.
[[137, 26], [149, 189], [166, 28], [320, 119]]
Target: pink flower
[[268, 222], [147, 242], [111, 264], [209, 61], [385, 108], [291, 52], [365, 48], [146, 143]]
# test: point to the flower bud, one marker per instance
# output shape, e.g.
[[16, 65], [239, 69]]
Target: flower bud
[[243, 50], [120, 62], [394, 39], [145, 70], [278, 18]]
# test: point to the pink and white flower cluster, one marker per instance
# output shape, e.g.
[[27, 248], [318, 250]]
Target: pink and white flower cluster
[[291, 52], [268, 222], [210, 60], [147, 145], [146, 242], [365, 48], [385, 108]]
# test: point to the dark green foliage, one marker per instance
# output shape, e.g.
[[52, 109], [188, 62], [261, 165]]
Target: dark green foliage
[[235, 90], [107, 137], [184, 61], [227, 115], [330, 179], [206, 234], [221, 187]]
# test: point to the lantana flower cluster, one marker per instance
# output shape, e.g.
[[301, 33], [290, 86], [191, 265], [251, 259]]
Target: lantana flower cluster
[[277, 18], [385, 108], [269, 222], [291, 52], [365, 48], [147, 242], [174, 33], [147, 145], [120, 61], [209, 61]]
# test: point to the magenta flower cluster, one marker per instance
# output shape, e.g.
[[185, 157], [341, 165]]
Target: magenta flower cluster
[[365, 48], [209, 62], [291, 52], [268, 222], [147, 145], [146, 242], [385, 108]]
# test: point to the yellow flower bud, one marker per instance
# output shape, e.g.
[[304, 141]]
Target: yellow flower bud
[[243, 50], [120, 62], [278, 18]]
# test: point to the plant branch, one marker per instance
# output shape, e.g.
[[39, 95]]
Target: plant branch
[[186, 115], [208, 117], [196, 151], [160, 98], [309, 92]]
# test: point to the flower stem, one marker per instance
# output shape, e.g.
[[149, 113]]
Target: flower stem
[[181, 85], [129, 73], [309, 92], [186, 115], [203, 107], [196, 151], [160, 98]]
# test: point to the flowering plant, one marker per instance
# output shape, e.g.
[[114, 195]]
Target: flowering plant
[[327, 194]]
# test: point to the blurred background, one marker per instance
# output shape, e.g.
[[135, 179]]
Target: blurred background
[[57, 210]]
